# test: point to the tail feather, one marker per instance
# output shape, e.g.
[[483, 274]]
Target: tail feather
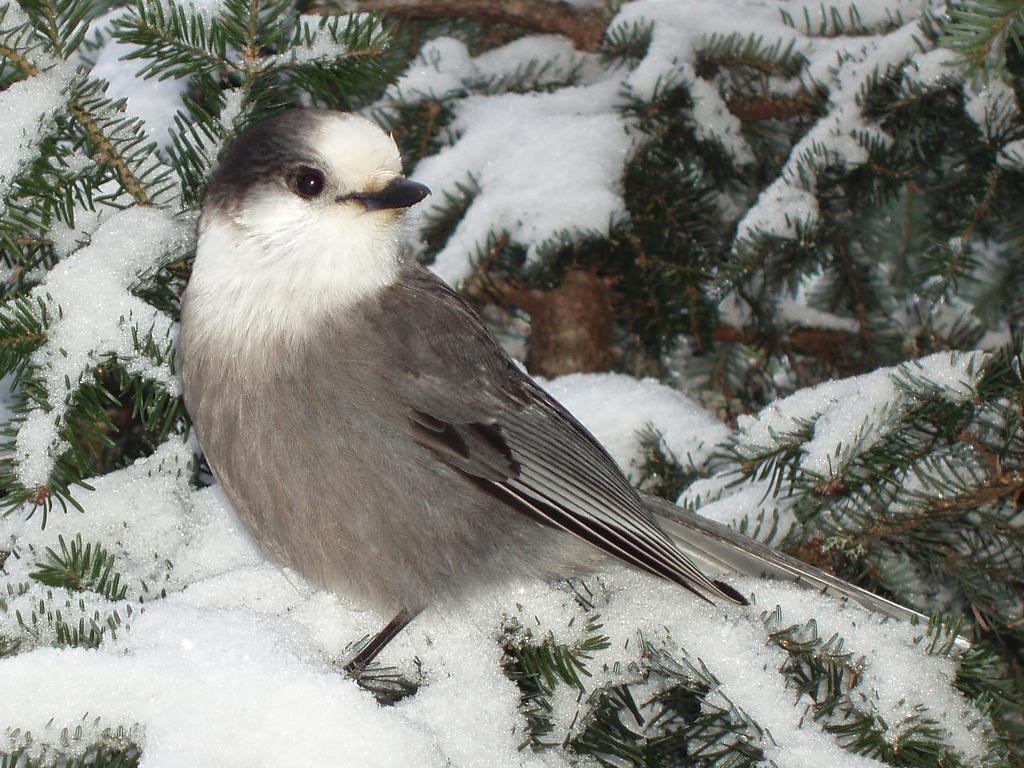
[[719, 549]]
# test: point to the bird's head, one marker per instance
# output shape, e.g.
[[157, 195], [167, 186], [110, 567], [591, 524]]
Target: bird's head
[[305, 208], [311, 166]]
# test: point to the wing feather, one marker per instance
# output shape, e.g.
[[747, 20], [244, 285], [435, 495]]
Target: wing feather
[[474, 410]]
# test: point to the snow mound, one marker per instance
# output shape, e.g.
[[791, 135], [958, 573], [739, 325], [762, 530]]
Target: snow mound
[[849, 416], [619, 410]]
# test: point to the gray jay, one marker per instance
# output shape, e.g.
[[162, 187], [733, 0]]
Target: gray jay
[[367, 427]]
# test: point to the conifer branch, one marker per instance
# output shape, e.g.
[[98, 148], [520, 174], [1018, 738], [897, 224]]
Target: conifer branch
[[109, 153], [981, 29], [810, 341], [923, 493], [174, 41], [983, 207], [773, 107], [30, 338], [584, 27], [19, 60], [252, 29]]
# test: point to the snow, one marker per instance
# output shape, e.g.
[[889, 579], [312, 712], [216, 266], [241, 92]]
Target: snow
[[798, 313], [321, 49], [1011, 156], [557, 53], [438, 71], [187, 686], [154, 101], [845, 66], [577, 191], [207, 10], [232, 112], [794, 310], [849, 416], [29, 108], [553, 171], [240, 663], [750, 507], [990, 104], [680, 31], [187, 675], [444, 66], [318, 44], [88, 219], [93, 313], [933, 68], [558, 168], [619, 409], [814, 16], [893, 679], [782, 209]]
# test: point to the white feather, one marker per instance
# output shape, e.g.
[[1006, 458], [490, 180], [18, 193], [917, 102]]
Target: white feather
[[359, 153], [273, 266]]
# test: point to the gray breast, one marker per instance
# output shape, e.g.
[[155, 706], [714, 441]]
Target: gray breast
[[311, 442]]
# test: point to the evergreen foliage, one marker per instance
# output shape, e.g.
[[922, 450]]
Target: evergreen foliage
[[863, 214], [981, 31], [81, 567]]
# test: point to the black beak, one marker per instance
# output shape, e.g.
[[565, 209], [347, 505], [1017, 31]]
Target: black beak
[[400, 193]]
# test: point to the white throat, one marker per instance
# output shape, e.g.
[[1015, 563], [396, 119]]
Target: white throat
[[272, 274]]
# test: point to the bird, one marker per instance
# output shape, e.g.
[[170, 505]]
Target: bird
[[365, 424]]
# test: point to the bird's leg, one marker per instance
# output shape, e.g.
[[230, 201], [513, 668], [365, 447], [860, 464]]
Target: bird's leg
[[369, 651]]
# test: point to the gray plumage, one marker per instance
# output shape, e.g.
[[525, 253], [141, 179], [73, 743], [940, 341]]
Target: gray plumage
[[404, 457], [389, 449]]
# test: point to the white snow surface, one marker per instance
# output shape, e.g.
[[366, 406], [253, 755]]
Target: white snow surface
[[813, 15], [92, 313], [680, 30], [557, 169], [29, 107], [444, 66], [317, 45], [152, 100], [841, 64], [782, 209], [240, 663], [619, 409], [851, 415], [553, 169], [206, 9], [749, 506]]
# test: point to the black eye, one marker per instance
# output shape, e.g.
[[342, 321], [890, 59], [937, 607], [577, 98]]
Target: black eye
[[308, 183]]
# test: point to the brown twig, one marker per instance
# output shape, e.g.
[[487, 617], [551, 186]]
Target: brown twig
[[19, 60], [584, 27], [982, 210], [773, 107], [23, 338], [998, 488], [27, 242], [109, 154], [818, 342]]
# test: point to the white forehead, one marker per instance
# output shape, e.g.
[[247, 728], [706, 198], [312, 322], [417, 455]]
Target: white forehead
[[355, 148]]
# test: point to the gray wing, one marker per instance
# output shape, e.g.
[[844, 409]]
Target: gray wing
[[473, 409]]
